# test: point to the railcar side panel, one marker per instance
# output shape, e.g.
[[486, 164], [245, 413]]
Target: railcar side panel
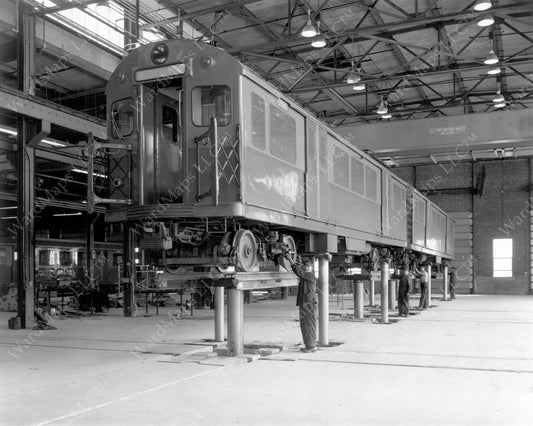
[[212, 94], [312, 182], [396, 209], [419, 219], [450, 237], [323, 172], [273, 152], [436, 229], [354, 190]]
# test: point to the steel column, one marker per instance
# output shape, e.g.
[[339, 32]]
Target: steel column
[[235, 322], [91, 253], [358, 296], [371, 293], [384, 292], [445, 283], [129, 279], [219, 314], [428, 269], [26, 209], [323, 301]]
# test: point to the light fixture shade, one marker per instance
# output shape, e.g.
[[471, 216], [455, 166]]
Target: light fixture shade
[[359, 86], [382, 108], [485, 21], [494, 71], [482, 5], [386, 115], [499, 105], [318, 43], [499, 97], [309, 30], [491, 59], [353, 78]]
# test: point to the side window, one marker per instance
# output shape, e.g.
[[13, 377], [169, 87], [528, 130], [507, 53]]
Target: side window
[[170, 124], [122, 113], [282, 135], [45, 258], [371, 184], [357, 176], [258, 122], [398, 199], [3, 256], [420, 211], [211, 101], [65, 258], [322, 150], [341, 167]]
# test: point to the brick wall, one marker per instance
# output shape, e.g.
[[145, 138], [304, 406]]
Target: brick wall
[[496, 194]]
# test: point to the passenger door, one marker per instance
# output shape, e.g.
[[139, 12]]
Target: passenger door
[[168, 147]]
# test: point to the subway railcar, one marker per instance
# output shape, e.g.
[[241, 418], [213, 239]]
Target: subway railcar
[[64, 262], [217, 170]]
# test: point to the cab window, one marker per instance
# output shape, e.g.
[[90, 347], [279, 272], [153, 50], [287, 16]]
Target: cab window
[[211, 101], [122, 113]]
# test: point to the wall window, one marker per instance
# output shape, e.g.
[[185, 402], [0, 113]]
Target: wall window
[[3, 256], [122, 113], [358, 176], [170, 124], [502, 257], [258, 122], [211, 101], [282, 135]]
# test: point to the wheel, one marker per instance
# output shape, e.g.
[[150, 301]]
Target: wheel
[[245, 250], [290, 245]]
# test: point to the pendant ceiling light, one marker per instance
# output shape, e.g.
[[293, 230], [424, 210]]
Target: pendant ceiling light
[[494, 71], [359, 86], [353, 78], [319, 41], [491, 59], [482, 5], [382, 107], [485, 21], [309, 30], [499, 97]]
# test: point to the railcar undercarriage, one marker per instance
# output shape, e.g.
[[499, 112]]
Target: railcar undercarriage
[[213, 246]]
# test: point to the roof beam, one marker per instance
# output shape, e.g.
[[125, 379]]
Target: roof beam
[[392, 28], [419, 74], [32, 106]]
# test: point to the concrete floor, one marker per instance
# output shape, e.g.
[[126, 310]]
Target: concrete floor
[[466, 362]]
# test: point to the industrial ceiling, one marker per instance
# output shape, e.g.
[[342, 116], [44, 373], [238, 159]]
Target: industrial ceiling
[[413, 58]]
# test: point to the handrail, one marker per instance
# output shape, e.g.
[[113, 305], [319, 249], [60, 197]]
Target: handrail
[[210, 136]]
